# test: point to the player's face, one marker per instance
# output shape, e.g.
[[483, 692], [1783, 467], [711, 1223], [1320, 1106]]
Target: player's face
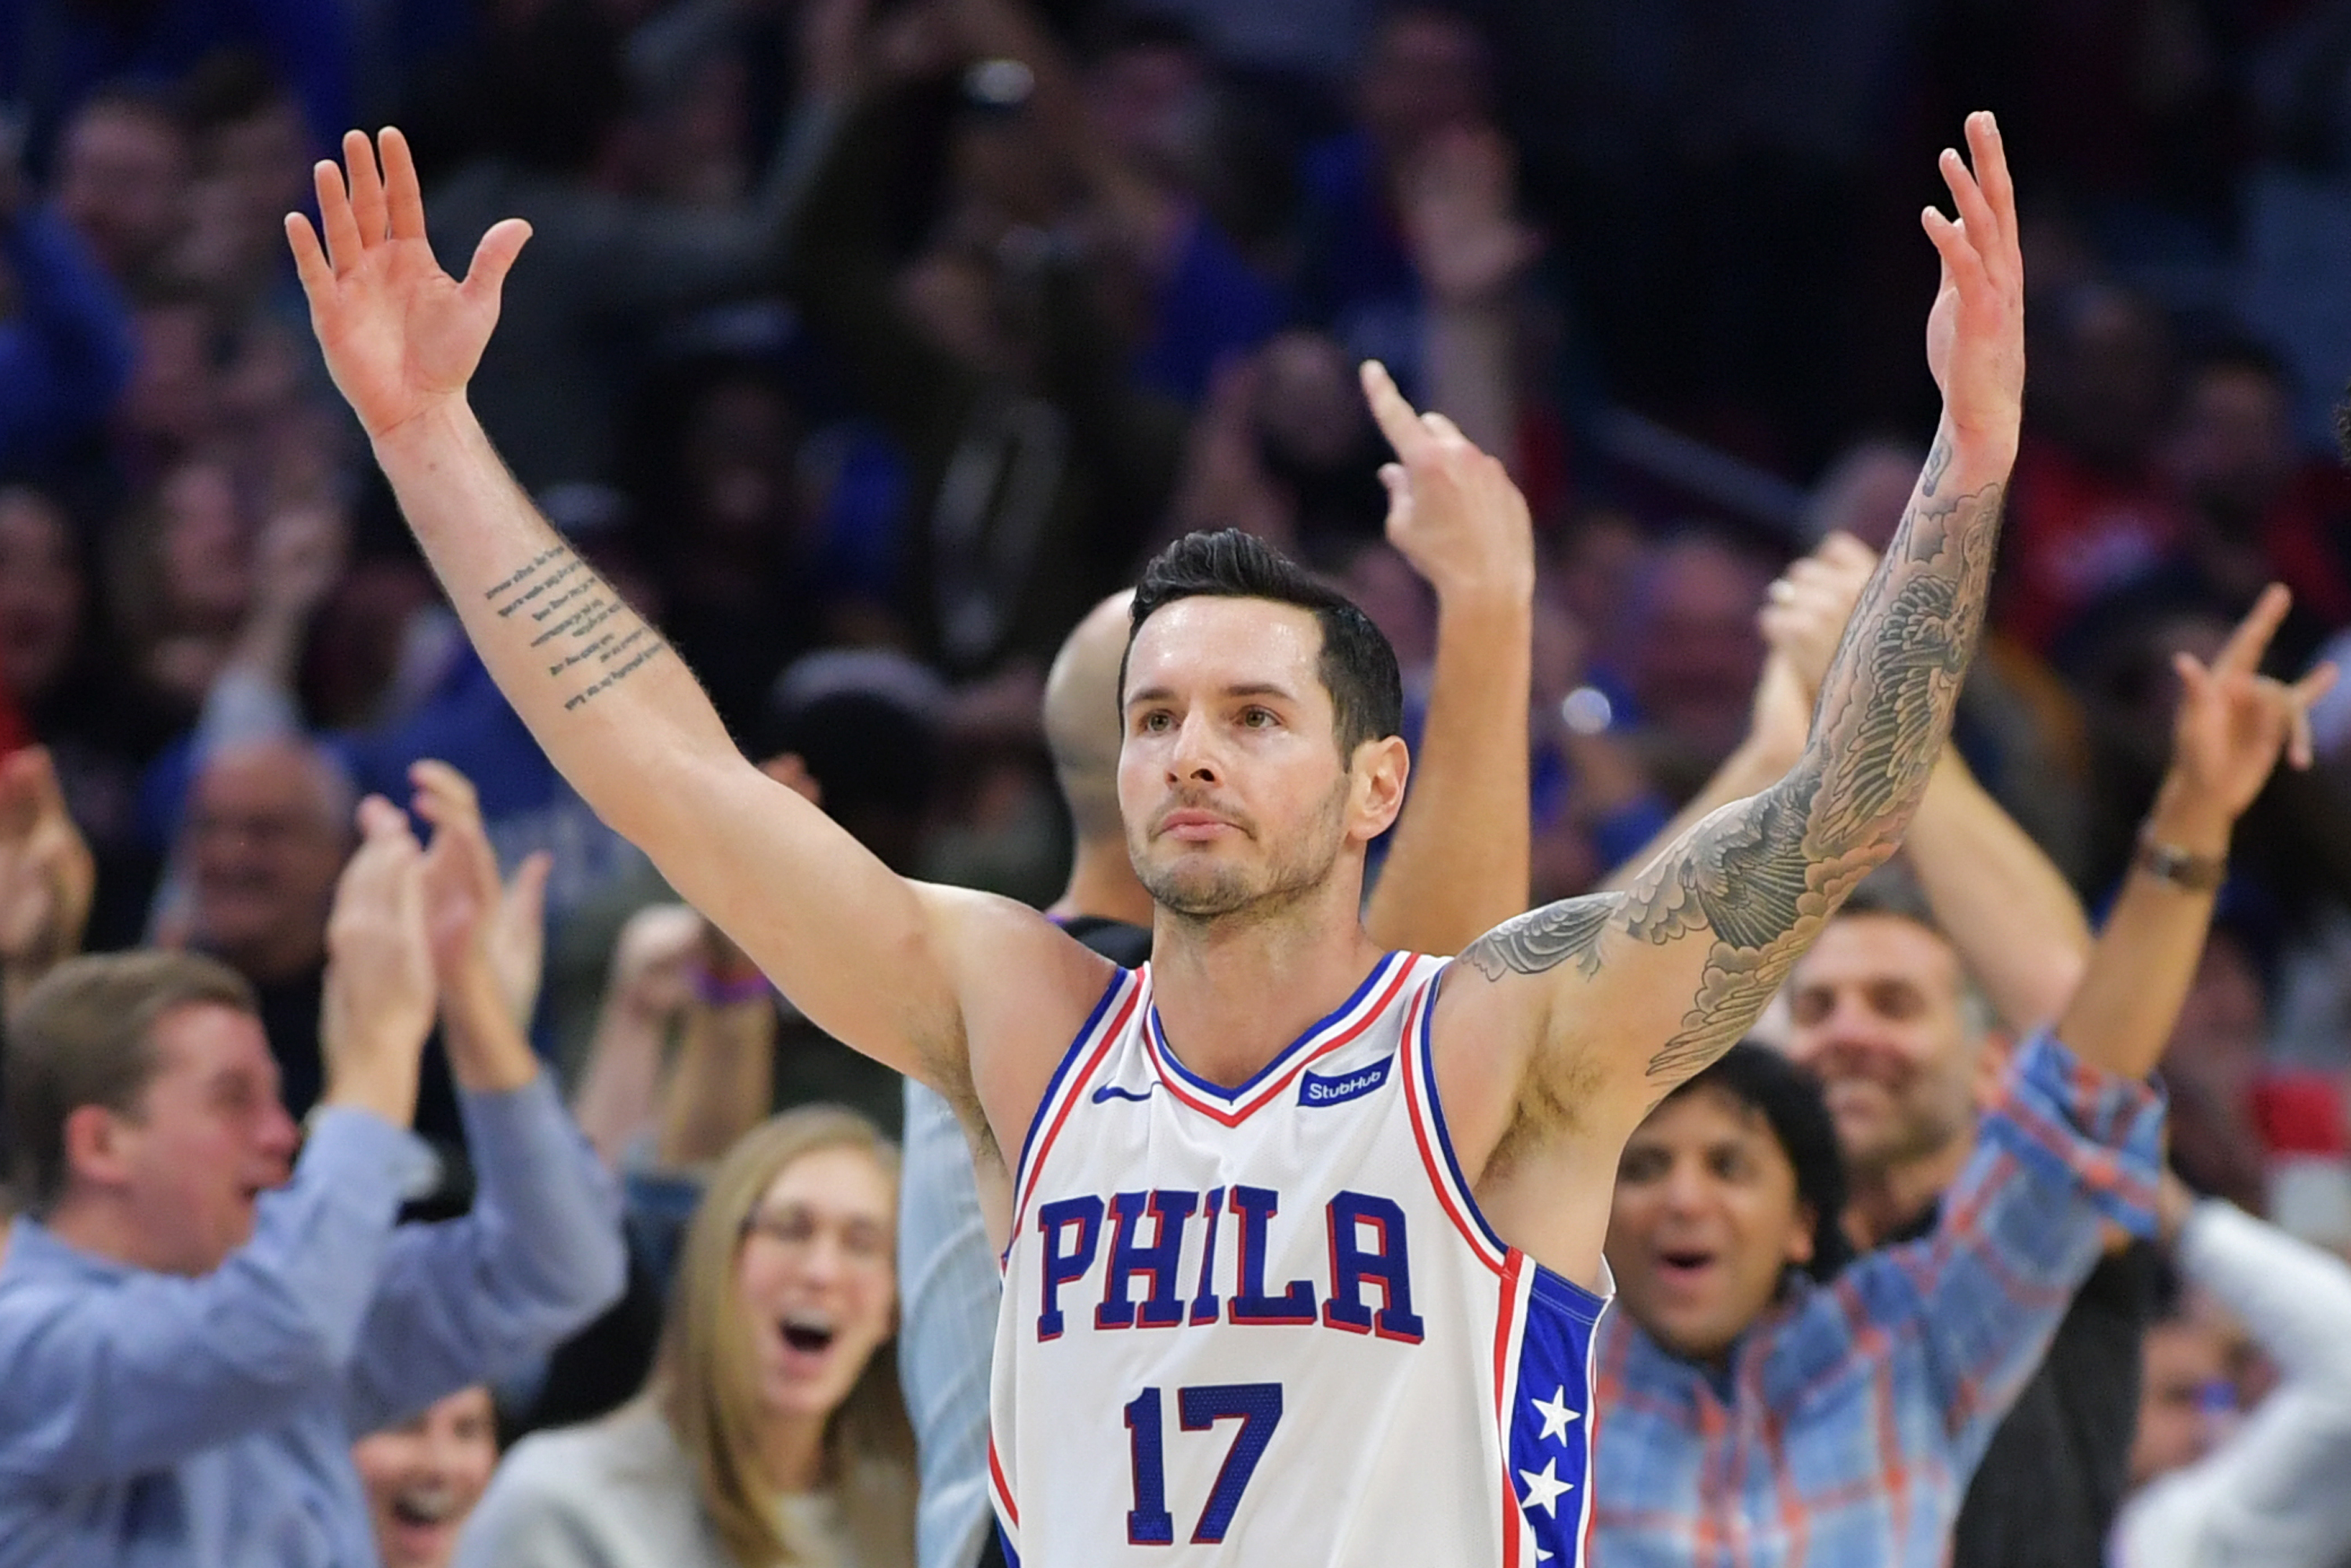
[[424, 1476], [1875, 1013], [1705, 1219], [208, 1137], [1232, 786], [816, 1280]]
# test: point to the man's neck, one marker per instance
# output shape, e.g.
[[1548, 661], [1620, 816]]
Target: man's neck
[[1233, 993], [1884, 1201], [90, 1224], [1103, 886]]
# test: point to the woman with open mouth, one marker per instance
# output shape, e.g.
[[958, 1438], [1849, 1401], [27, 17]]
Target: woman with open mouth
[[771, 1431]]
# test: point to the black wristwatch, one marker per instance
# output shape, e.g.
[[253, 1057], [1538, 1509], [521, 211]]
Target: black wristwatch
[[2181, 868]]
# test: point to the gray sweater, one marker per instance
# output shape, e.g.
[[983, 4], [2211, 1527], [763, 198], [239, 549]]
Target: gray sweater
[[617, 1493]]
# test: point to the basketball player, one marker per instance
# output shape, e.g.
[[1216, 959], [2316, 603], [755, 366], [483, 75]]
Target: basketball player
[[1303, 1238]]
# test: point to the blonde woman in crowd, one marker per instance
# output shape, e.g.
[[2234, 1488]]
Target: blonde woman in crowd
[[771, 1431]]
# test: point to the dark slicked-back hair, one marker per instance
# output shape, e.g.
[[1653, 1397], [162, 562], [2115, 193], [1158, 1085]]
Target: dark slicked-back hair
[[1789, 1098], [1358, 667]]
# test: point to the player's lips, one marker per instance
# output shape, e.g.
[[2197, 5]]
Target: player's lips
[[1195, 826]]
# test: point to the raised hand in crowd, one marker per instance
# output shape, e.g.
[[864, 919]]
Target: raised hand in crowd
[[299, 557], [1459, 191], [1803, 617], [379, 987], [2233, 723], [1455, 515], [1459, 194], [488, 937], [47, 873]]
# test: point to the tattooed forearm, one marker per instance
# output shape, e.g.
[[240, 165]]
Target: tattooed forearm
[[581, 631], [1760, 877]]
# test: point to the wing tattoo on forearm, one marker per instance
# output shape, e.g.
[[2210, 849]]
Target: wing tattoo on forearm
[[1760, 876]]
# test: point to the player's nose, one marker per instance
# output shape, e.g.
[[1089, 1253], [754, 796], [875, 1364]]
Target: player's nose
[[1194, 758]]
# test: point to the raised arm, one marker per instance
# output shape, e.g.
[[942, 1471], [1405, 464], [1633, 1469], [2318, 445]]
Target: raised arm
[[2013, 918], [873, 959], [2233, 723], [1667, 975], [475, 1298], [1458, 865]]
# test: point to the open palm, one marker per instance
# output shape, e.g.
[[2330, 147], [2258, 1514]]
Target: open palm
[[400, 335], [1975, 333]]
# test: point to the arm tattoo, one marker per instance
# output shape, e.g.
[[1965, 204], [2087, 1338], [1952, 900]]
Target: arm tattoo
[[1763, 876], [583, 632]]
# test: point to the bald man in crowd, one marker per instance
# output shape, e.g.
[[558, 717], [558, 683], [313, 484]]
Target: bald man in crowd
[[1457, 867], [267, 833]]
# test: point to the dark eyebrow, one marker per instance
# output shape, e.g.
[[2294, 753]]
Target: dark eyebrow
[[1244, 689]]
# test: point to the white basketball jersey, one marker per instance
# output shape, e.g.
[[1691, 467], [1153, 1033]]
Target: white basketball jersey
[[1266, 1325]]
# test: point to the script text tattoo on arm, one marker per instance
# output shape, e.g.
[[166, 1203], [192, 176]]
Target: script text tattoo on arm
[[582, 632], [1762, 875]]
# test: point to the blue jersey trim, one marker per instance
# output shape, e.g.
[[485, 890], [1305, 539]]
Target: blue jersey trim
[[1437, 1110], [1371, 983], [1550, 1287]]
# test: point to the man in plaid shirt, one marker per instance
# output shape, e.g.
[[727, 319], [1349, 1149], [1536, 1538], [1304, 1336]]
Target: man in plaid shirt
[[1755, 1418]]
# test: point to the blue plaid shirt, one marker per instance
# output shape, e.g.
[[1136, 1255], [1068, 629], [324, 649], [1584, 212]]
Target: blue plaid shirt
[[1850, 1417]]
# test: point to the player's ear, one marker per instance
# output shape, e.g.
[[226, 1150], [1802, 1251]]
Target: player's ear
[[1379, 771]]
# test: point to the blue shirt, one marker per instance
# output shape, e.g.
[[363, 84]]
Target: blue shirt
[[948, 1289], [207, 1423], [1844, 1431]]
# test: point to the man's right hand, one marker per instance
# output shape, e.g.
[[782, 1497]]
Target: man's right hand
[[379, 985], [401, 336]]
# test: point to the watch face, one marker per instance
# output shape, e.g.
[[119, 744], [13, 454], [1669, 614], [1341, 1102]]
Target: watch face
[[2173, 865]]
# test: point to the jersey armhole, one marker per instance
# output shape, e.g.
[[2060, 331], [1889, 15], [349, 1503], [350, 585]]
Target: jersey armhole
[[1111, 1015], [1556, 1290]]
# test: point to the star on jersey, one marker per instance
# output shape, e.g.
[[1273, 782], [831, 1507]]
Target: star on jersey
[[1555, 1414], [1543, 1490]]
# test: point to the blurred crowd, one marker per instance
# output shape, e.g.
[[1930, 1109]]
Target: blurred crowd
[[865, 345]]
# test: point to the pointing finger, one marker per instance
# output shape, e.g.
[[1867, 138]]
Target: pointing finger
[[2241, 654], [1443, 428], [1396, 417]]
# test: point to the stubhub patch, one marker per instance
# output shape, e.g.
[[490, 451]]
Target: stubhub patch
[[1314, 1089]]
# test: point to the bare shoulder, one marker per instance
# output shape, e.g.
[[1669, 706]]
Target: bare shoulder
[[1028, 989]]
